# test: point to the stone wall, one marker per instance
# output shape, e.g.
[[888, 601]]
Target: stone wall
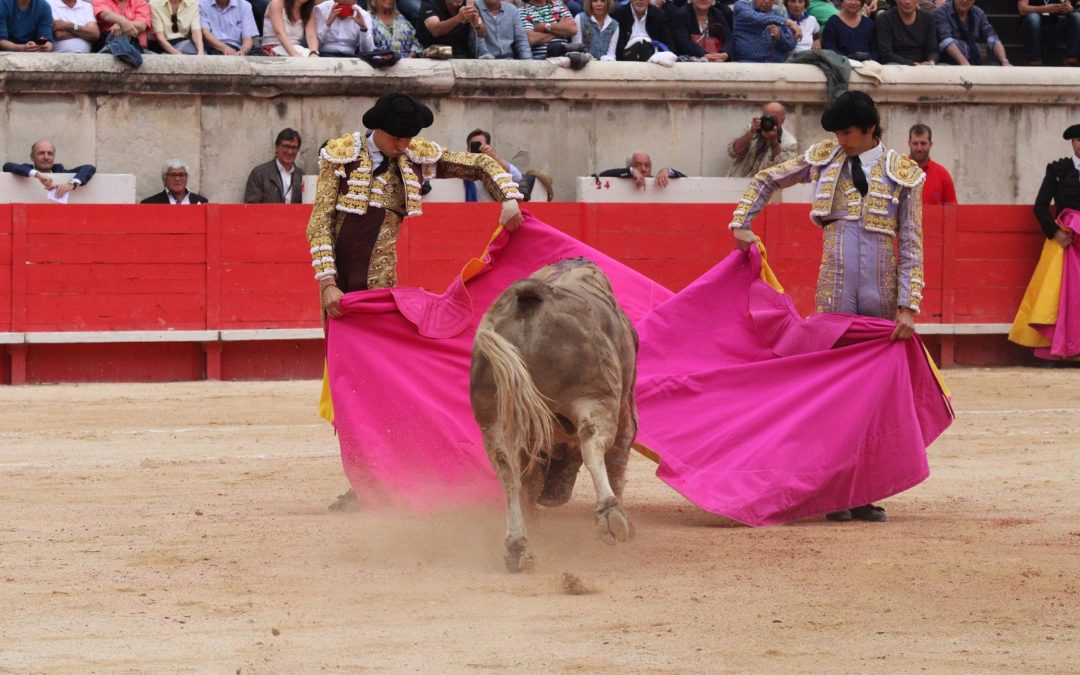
[[994, 128]]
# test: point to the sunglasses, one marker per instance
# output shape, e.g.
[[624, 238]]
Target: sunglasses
[[175, 23], [173, 174]]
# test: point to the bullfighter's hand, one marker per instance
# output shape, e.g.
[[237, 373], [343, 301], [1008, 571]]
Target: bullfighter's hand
[[510, 218], [905, 324], [744, 238], [331, 299], [1063, 238]]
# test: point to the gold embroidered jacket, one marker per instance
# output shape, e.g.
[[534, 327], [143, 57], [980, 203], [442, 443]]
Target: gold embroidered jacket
[[892, 206], [347, 186]]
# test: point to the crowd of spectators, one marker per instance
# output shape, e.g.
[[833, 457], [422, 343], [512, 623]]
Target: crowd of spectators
[[909, 32]]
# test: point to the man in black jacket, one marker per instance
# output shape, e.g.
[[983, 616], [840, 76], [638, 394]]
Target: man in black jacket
[[639, 167], [1062, 186], [639, 18], [174, 175], [43, 156]]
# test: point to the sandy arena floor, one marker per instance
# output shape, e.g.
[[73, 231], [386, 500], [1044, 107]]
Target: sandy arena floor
[[183, 528]]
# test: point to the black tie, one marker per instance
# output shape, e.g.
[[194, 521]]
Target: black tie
[[858, 177], [383, 166]]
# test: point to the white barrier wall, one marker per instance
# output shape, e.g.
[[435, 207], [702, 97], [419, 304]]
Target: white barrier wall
[[442, 190], [995, 129], [604, 190], [103, 188]]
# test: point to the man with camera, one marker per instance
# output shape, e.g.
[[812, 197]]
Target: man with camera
[[764, 143], [25, 26], [480, 143]]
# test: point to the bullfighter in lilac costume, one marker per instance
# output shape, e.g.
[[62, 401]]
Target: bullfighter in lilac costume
[[867, 199]]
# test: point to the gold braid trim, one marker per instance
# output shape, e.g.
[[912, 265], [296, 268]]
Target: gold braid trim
[[320, 230], [903, 169], [819, 154], [358, 196], [473, 166]]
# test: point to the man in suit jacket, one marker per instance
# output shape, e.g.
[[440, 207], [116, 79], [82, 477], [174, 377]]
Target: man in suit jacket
[[271, 182], [43, 166], [174, 175], [638, 17], [1062, 186], [639, 167]]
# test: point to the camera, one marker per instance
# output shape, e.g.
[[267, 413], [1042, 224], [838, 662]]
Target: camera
[[346, 10], [768, 122], [474, 146]]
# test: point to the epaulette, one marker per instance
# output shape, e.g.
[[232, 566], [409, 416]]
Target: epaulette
[[342, 150], [1061, 166], [423, 151], [820, 154], [903, 169]]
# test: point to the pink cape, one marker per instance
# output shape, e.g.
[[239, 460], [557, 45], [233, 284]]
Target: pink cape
[[755, 413], [1064, 334]]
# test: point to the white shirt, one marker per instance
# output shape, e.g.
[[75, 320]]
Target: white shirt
[[1076, 162], [286, 182], [80, 15], [809, 26], [373, 150], [638, 29], [580, 38], [343, 36]]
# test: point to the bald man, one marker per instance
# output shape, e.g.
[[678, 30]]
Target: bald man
[[765, 143], [43, 166]]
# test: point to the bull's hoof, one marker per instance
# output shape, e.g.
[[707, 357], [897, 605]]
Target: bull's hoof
[[523, 562], [613, 525], [517, 558]]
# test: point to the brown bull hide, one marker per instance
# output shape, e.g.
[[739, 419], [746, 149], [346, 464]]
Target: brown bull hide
[[552, 387]]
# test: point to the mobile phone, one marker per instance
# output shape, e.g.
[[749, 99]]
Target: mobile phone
[[41, 40], [346, 10], [474, 146]]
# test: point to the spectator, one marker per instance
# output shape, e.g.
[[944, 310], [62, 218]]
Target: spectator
[[505, 37], [1060, 185], [479, 141], [1044, 20], [344, 28], [700, 31], [26, 26], [907, 35], [764, 143], [123, 18], [639, 18], [292, 29], [450, 23], [822, 10], [762, 36], [74, 28], [177, 27], [391, 31], [961, 27], [43, 166], [850, 32], [227, 26], [938, 188], [597, 30], [174, 176], [639, 167], [808, 24], [278, 181], [546, 22]]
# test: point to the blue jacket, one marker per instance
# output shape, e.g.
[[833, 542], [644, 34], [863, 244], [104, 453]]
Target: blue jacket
[[83, 173], [752, 43], [22, 27]]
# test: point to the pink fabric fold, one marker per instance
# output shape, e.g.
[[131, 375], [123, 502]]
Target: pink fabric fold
[[756, 413], [1064, 335]]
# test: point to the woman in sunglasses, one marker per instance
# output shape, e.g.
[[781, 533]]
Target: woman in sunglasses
[[176, 25]]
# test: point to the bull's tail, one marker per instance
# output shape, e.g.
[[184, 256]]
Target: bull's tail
[[528, 424]]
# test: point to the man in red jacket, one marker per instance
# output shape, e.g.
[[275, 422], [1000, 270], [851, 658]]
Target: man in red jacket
[[939, 188]]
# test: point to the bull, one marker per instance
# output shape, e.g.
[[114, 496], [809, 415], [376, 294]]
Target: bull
[[552, 386]]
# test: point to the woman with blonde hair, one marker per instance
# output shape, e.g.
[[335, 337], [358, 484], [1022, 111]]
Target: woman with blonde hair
[[597, 30], [291, 29]]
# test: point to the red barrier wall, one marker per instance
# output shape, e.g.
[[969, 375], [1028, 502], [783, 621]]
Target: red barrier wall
[[230, 266]]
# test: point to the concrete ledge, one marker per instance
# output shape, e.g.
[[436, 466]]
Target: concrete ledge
[[104, 336], [538, 80], [272, 334], [963, 328]]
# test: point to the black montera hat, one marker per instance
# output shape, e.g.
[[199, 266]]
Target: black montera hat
[[850, 109], [398, 115], [1072, 132]]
